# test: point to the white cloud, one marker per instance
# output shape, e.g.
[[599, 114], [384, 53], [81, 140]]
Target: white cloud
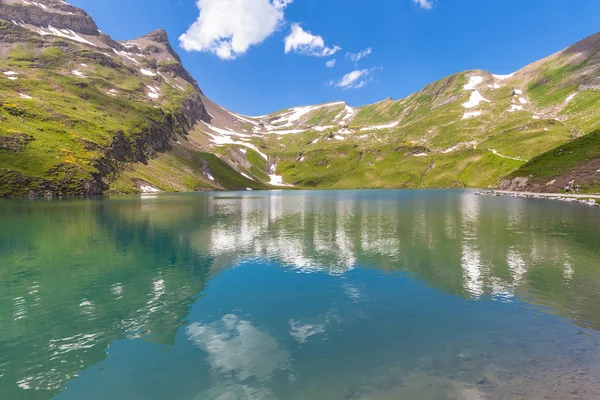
[[228, 28], [424, 4], [330, 63], [355, 79], [360, 55], [304, 42]]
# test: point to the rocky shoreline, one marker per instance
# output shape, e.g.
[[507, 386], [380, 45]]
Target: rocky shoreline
[[568, 199]]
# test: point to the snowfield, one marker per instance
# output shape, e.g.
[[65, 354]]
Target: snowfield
[[473, 81], [475, 99]]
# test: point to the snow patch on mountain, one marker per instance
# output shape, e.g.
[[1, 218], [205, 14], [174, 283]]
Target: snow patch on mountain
[[514, 107], [503, 77], [276, 180], [294, 114], [11, 75], [154, 92], [379, 127], [126, 55], [241, 117], [322, 128], [287, 132], [473, 81], [64, 33], [474, 100], [147, 72], [471, 114], [450, 150], [503, 156], [571, 97], [148, 189], [345, 116], [223, 136]]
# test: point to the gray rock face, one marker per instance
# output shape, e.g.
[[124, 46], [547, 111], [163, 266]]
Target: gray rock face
[[57, 14], [514, 184]]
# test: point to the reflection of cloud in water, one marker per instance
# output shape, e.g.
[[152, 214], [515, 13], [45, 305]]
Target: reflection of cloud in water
[[516, 264], [302, 332], [237, 352], [568, 271], [471, 257], [326, 235], [352, 292]]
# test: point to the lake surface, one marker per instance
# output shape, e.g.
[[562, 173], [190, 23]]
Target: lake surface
[[415, 294]]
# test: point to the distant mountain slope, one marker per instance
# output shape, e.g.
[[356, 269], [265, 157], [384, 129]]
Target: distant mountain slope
[[469, 129], [84, 114]]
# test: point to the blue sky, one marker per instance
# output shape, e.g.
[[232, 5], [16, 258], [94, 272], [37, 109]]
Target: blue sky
[[238, 52]]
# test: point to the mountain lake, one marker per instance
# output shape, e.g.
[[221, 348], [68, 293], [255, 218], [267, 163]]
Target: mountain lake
[[359, 294]]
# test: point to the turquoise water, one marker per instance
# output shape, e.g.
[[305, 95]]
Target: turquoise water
[[424, 294]]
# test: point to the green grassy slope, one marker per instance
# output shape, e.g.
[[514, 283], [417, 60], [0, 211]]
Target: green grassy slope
[[577, 160], [79, 120]]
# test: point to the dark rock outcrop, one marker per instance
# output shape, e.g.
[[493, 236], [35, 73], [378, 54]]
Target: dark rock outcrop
[[143, 146]]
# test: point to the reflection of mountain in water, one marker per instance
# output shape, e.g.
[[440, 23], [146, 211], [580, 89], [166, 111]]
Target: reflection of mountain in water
[[465, 244], [76, 279], [78, 276]]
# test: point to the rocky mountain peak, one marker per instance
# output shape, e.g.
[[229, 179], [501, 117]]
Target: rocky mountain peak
[[158, 36]]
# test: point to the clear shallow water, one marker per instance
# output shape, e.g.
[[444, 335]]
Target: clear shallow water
[[300, 295]]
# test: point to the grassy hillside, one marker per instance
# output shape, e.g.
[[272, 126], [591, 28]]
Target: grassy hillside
[[578, 160], [78, 120]]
